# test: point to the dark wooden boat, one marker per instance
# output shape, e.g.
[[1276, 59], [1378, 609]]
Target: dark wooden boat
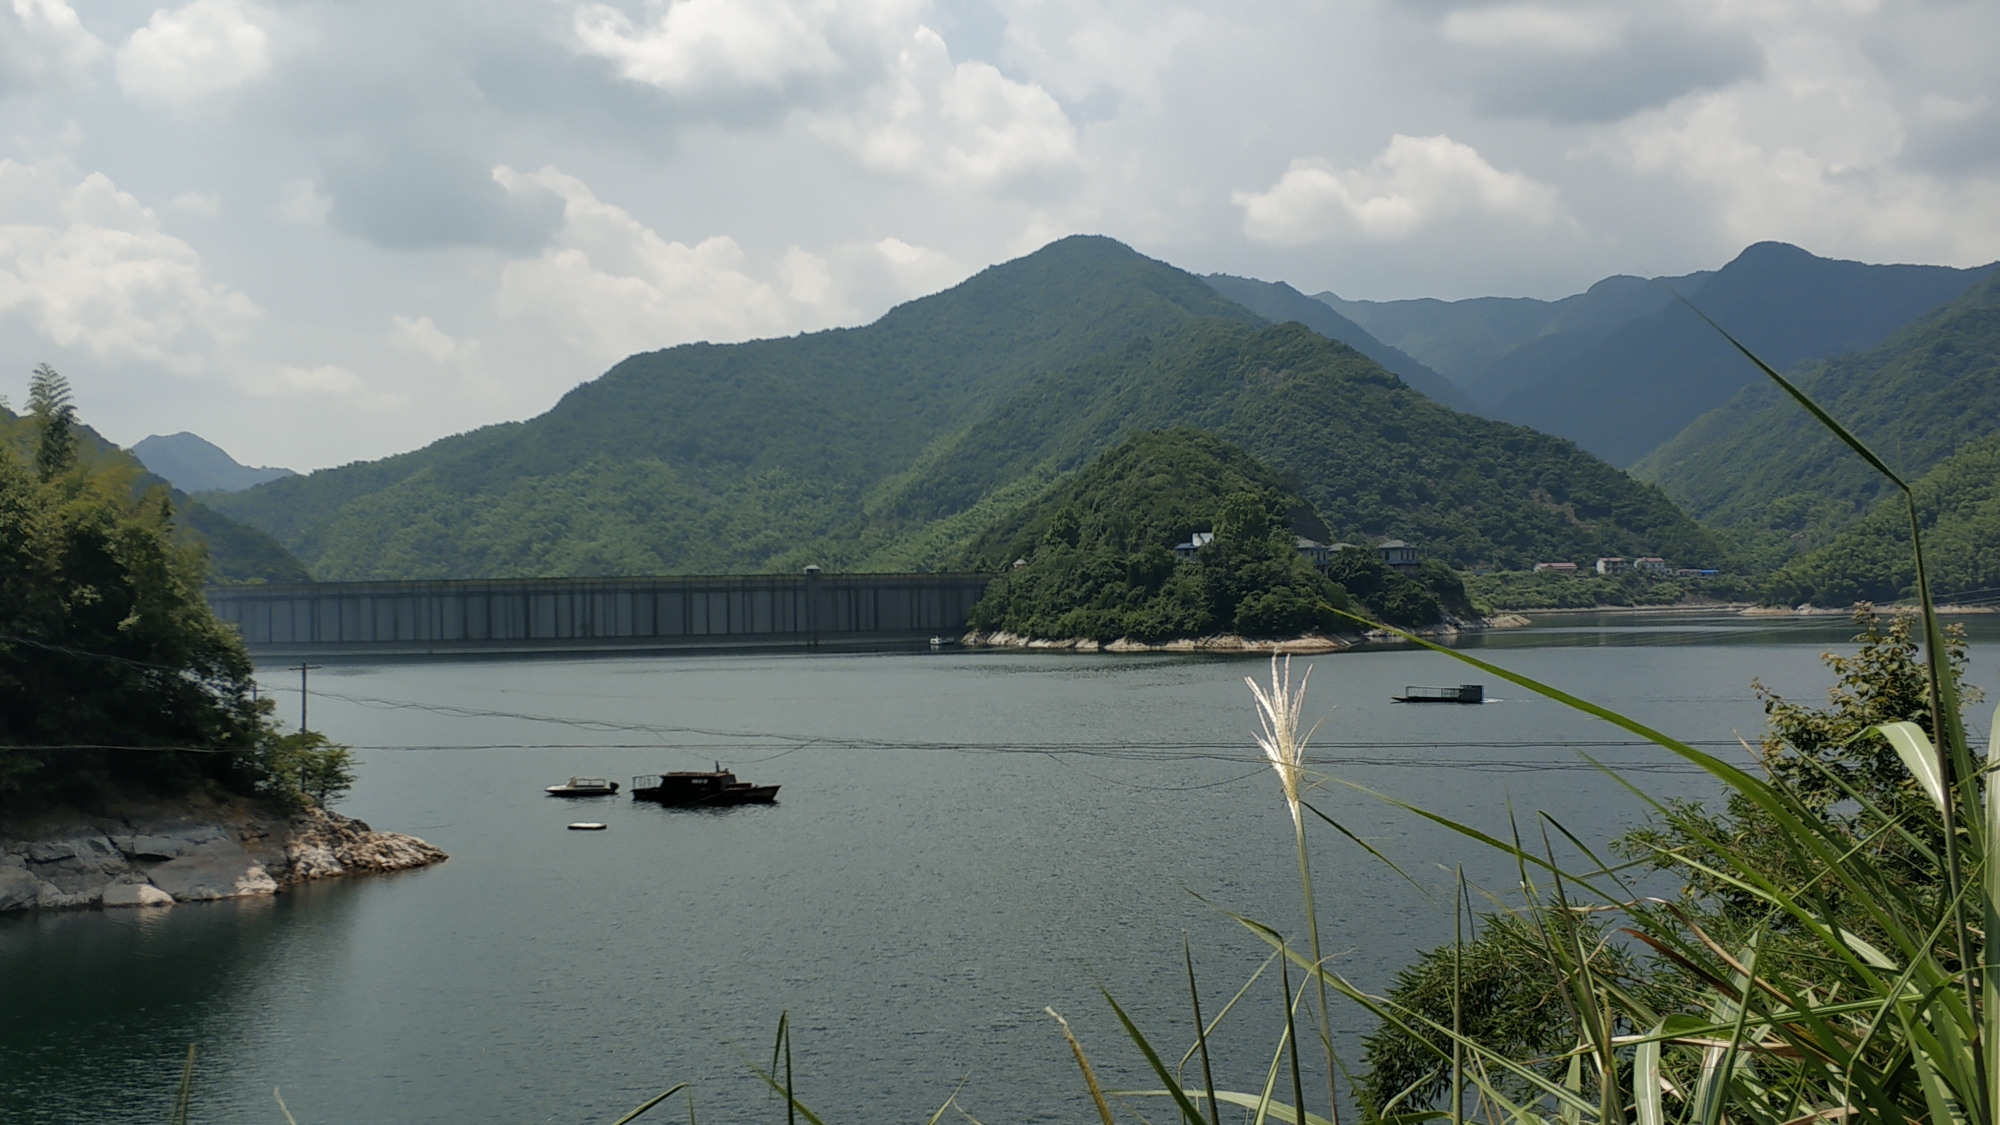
[[708, 789], [1463, 693], [583, 787]]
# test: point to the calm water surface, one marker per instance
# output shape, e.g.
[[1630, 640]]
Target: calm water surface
[[962, 840]]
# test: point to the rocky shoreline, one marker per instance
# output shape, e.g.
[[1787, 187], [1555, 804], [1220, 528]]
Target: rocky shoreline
[[158, 857], [1229, 642]]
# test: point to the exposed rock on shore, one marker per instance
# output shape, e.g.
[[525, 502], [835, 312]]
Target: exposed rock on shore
[[1229, 642], [324, 844], [155, 858]]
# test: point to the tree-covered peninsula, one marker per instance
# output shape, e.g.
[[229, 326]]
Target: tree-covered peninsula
[[115, 677], [1094, 557]]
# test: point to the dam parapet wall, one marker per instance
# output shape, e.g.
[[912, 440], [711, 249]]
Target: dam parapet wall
[[528, 615]]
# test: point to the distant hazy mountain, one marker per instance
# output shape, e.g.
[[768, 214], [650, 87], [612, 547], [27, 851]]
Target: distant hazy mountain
[[1761, 461], [237, 552], [1462, 339], [892, 445], [1277, 302], [1623, 367], [196, 465], [1642, 383]]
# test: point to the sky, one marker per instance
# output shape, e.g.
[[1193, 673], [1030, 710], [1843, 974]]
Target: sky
[[315, 233]]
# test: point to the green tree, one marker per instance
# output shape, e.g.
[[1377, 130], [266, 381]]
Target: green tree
[[1396, 599], [306, 767], [114, 673], [55, 422]]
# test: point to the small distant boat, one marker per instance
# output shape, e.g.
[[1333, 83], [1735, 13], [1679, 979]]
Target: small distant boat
[[710, 789], [587, 826], [583, 787], [1463, 693]]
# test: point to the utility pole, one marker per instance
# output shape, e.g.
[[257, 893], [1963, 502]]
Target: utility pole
[[303, 694]]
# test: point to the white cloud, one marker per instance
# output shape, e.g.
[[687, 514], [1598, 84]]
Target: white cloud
[[1538, 26], [328, 380], [301, 201], [1129, 46], [917, 269], [866, 77], [1416, 182], [44, 40], [612, 286], [428, 340], [90, 267], [948, 123], [1815, 155], [203, 48], [720, 47], [197, 203]]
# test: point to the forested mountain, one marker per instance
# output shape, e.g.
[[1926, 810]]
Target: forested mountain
[[1761, 462], [1958, 505], [1643, 383], [191, 463], [1372, 456], [1277, 302], [237, 552], [1623, 368], [1466, 339], [890, 446], [725, 458]]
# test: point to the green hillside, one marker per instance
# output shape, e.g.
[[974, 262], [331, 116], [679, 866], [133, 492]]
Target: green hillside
[[1156, 487], [1958, 505], [1374, 457], [890, 447], [726, 458], [1761, 463], [237, 552], [1096, 559]]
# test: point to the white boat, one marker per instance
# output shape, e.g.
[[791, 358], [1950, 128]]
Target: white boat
[[584, 787], [587, 826]]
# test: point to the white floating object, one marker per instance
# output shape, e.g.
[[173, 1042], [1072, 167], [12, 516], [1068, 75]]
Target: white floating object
[[586, 826]]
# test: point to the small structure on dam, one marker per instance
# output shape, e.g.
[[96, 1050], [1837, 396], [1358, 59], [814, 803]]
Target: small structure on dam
[[588, 614]]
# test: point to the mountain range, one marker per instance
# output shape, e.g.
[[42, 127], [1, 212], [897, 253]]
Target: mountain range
[[1625, 367], [1760, 461], [894, 445]]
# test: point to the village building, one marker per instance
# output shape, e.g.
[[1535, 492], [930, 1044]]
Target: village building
[[1313, 552], [1614, 564], [1399, 555], [1193, 546], [1556, 567]]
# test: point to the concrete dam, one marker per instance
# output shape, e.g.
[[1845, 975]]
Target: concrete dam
[[530, 615]]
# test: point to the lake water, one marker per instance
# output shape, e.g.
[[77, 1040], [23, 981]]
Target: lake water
[[963, 839]]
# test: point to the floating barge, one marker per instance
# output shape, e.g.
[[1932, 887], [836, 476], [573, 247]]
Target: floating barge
[[1463, 693], [706, 789]]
